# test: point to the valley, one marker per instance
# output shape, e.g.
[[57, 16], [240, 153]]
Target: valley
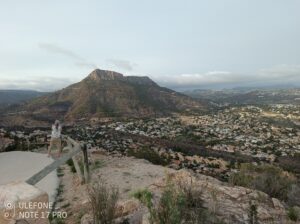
[[235, 149]]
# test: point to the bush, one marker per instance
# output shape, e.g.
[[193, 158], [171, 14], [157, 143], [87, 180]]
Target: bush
[[150, 155], [267, 178], [177, 204], [293, 214], [103, 201], [293, 195], [71, 165], [253, 213], [291, 164]]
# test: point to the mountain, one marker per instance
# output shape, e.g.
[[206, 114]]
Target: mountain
[[9, 97], [104, 94], [248, 95]]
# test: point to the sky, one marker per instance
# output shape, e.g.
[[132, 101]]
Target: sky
[[47, 45]]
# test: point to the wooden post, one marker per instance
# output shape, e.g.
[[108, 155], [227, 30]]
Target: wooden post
[[28, 144], [70, 147], [86, 164]]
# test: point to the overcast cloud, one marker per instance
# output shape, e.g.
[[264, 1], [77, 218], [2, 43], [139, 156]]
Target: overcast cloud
[[122, 64], [78, 60], [43, 84], [46, 45], [278, 75], [281, 74]]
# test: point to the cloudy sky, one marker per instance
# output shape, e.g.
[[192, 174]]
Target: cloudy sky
[[46, 45]]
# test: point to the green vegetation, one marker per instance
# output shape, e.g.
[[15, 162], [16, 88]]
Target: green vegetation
[[177, 204], [71, 164], [103, 200], [267, 178], [59, 190], [253, 213], [294, 214], [97, 164], [150, 155], [59, 172], [56, 220], [289, 163]]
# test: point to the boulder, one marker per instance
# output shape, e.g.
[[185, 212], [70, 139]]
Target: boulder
[[87, 219], [21, 201], [127, 207]]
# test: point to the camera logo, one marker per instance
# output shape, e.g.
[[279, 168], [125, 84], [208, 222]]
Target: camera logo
[[9, 210]]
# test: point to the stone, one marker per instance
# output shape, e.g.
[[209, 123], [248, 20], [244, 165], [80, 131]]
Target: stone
[[87, 219], [181, 157], [127, 207], [145, 219], [18, 199], [230, 203], [277, 204]]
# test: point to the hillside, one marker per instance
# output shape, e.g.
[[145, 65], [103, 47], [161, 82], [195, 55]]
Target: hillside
[[104, 94], [9, 97], [258, 96], [221, 202]]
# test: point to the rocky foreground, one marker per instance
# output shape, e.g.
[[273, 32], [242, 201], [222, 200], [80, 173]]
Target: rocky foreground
[[229, 204]]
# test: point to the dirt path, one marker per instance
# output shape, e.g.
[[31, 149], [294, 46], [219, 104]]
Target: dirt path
[[126, 173]]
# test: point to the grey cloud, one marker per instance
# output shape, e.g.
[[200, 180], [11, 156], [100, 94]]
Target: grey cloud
[[59, 50], [280, 71], [78, 60], [276, 75], [35, 83], [122, 64], [280, 74]]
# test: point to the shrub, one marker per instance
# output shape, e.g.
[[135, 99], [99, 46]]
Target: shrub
[[253, 213], [98, 164], [267, 178], [293, 195], [293, 214], [150, 155], [177, 204], [103, 201], [291, 164], [71, 165]]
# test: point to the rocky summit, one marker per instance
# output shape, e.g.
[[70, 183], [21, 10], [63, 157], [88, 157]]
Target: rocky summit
[[103, 94]]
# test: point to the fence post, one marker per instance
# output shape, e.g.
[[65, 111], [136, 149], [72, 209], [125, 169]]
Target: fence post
[[86, 164], [76, 165], [28, 144]]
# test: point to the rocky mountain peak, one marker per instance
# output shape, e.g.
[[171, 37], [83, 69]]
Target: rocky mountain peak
[[106, 94], [99, 74], [140, 80]]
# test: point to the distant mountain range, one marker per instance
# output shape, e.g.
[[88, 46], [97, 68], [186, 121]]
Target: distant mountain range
[[249, 95], [102, 94], [9, 97]]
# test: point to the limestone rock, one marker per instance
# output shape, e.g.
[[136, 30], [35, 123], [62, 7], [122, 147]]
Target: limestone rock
[[127, 207], [18, 198], [230, 203], [87, 219]]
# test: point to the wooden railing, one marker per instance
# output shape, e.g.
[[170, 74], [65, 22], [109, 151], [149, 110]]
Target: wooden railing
[[74, 148]]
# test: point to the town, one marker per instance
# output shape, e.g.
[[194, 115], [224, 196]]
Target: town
[[252, 133]]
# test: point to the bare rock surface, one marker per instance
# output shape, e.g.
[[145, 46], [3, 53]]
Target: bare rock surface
[[18, 199], [230, 203]]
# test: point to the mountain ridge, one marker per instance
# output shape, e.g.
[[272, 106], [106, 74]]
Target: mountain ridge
[[106, 94], [10, 96]]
